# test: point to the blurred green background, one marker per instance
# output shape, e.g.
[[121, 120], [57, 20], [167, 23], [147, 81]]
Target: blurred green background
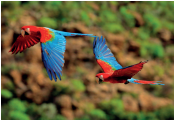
[[135, 31]]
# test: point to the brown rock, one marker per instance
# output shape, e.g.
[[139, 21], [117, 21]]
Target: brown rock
[[7, 38], [165, 35], [78, 113], [116, 39], [29, 95], [149, 103], [4, 80], [33, 54], [114, 49], [138, 18], [134, 88], [64, 101], [6, 56], [92, 89], [68, 113], [103, 87], [79, 26], [26, 19], [130, 104], [134, 47], [16, 75], [94, 6]]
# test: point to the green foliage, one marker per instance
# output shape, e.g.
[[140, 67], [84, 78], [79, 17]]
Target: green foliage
[[47, 111], [151, 116], [9, 85], [165, 113], [141, 116], [47, 22], [59, 117], [131, 116], [17, 115], [151, 49], [88, 107], [113, 27], [78, 85], [152, 23], [159, 70], [84, 117], [61, 88], [10, 4], [5, 112], [7, 68], [143, 34], [85, 17], [114, 108], [97, 114], [6, 93], [17, 105], [127, 17]]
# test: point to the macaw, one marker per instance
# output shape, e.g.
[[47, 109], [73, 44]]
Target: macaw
[[52, 42], [113, 71]]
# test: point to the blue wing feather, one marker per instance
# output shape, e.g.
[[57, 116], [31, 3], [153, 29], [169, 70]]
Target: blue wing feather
[[102, 52], [53, 51], [52, 56]]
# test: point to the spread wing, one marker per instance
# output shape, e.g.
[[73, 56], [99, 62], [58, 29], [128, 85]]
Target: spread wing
[[53, 47], [104, 56], [22, 43], [129, 71], [52, 55]]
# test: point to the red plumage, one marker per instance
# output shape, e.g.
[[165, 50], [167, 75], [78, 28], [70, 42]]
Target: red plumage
[[24, 41], [128, 72]]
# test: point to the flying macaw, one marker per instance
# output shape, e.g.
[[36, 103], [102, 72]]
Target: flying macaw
[[53, 44], [113, 71]]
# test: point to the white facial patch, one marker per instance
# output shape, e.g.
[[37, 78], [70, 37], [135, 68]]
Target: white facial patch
[[28, 30], [101, 77]]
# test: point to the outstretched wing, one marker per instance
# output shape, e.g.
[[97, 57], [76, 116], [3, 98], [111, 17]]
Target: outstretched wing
[[22, 43], [52, 55], [53, 45], [104, 56], [129, 71]]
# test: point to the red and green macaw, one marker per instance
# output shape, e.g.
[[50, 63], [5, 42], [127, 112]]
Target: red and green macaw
[[53, 44], [113, 71]]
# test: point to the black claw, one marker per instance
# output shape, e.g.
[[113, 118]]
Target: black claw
[[126, 82]]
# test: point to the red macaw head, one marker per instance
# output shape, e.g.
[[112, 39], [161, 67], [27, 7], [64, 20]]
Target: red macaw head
[[28, 29], [99, 78]]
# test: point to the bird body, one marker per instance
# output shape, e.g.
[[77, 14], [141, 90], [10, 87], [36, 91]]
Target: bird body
[[52, 42], [113, 71]]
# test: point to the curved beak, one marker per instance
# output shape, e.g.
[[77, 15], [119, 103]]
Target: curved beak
[[22, 33]]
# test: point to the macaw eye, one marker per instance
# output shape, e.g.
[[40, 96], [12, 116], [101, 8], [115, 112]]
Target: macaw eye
[[28, 29], [101, 77]]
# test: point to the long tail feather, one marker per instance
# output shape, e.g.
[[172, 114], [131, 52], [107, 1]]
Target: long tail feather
[[72, 34], [135, 81]]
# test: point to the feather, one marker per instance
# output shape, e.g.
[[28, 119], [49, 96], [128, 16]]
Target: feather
[[136, 81], [129, 71], [104, 56], [23, 42]]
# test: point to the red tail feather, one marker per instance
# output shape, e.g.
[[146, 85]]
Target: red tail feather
[[145, 82]]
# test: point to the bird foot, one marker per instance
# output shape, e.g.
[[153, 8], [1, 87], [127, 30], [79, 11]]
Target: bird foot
[[126, 82]]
